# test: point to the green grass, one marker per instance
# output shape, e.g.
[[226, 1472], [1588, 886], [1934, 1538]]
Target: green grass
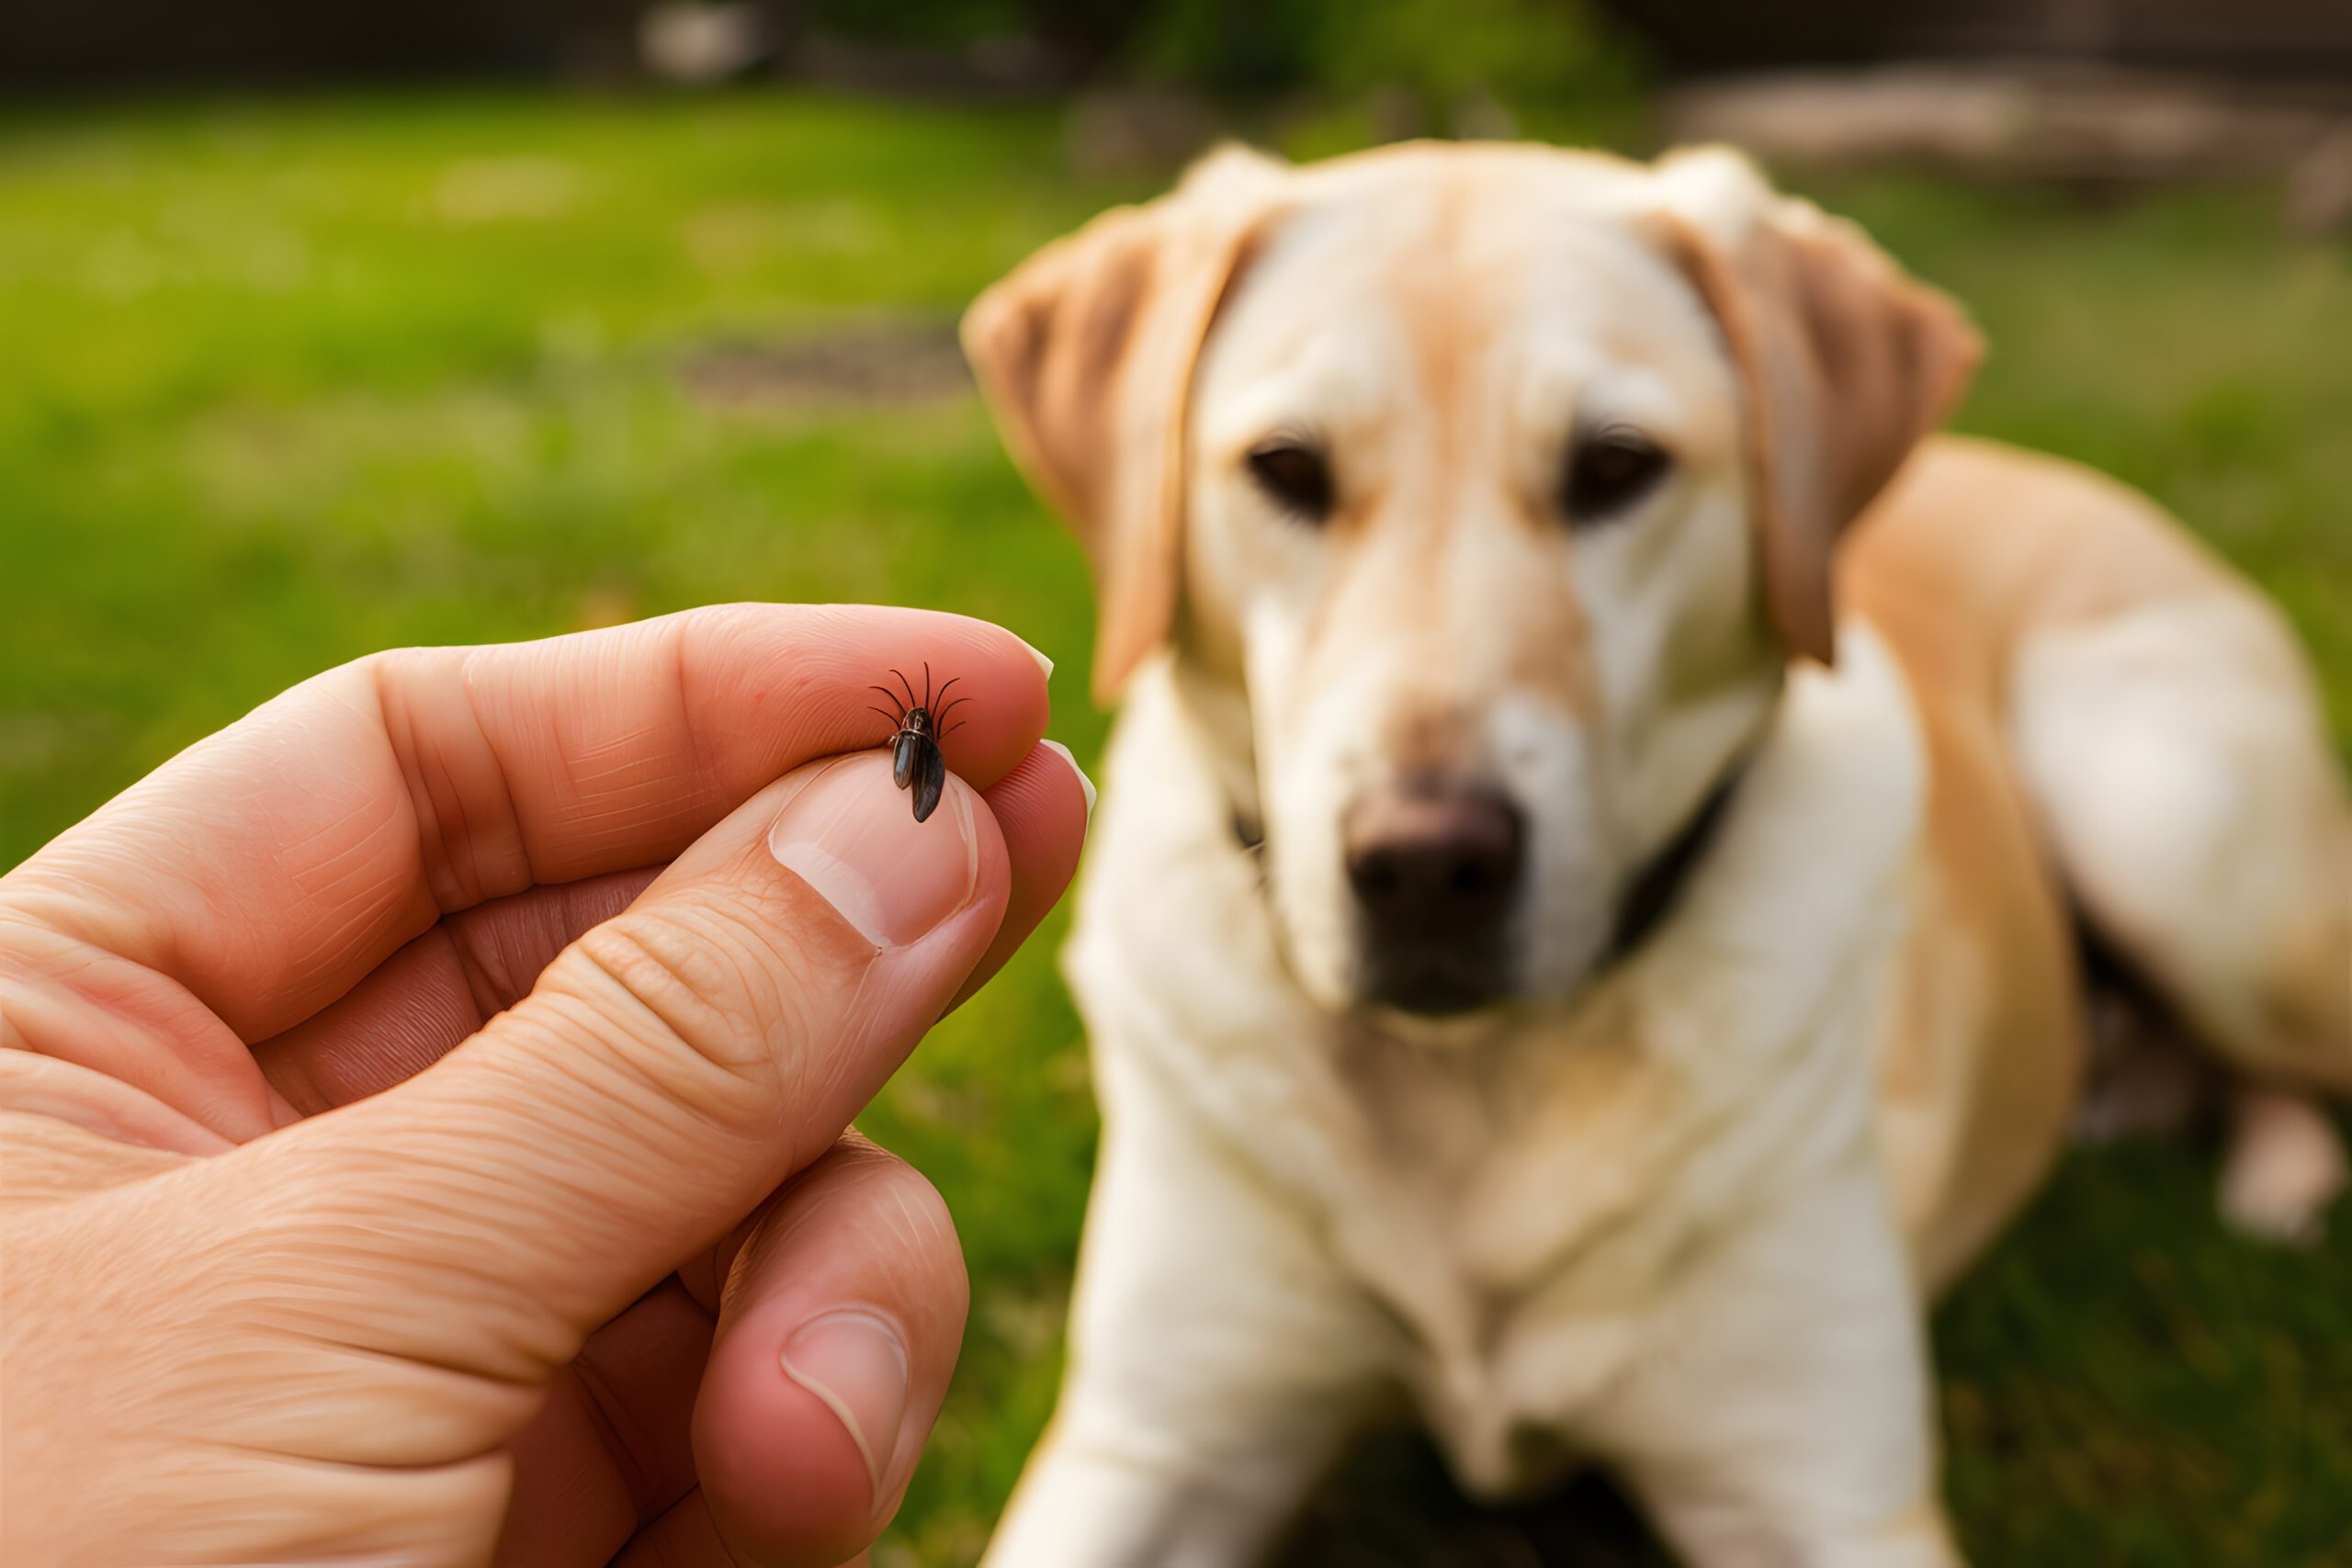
[[282, 384]]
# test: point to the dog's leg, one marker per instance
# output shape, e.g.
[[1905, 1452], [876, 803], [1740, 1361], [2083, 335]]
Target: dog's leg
[[2180, 763], [2285, 1167], [1780, 1414], [1217, 1363]]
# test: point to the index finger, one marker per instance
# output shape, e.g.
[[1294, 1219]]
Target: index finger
[[267, 869]]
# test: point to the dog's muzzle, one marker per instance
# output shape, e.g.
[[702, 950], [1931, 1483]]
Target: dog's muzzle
[[1435, 870]]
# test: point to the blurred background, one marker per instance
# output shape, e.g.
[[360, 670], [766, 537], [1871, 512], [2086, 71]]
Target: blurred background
[[326, 328]]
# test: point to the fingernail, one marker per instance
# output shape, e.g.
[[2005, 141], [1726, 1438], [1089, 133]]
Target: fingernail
[[857, 1363], [850, 834], [1043, 662], [1083, 781]]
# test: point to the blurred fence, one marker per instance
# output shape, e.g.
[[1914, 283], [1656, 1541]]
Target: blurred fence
[[1240, 46], [1435, 47], [2310, 40]]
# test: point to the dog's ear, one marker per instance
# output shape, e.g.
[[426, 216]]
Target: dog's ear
[[1085, 354], [1844, 363]]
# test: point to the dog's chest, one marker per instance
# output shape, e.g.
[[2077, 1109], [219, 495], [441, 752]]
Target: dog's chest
[[1528, 1218], [1512, 1212]]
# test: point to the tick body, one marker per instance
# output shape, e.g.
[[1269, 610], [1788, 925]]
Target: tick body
[[916, 762]]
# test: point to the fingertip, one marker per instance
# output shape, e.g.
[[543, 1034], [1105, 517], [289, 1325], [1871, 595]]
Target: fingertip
[[786, 1481], [1085, 784], [842, 1320], [1041, 808], [857, 645]]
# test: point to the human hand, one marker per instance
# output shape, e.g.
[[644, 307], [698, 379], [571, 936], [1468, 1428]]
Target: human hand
[[425, 1104]]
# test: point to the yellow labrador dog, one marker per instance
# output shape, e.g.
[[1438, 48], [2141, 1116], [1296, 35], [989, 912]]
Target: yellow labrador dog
[[1580, 927]]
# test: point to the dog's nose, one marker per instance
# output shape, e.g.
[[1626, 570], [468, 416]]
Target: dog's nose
[[1433, 858], [1434, 873]]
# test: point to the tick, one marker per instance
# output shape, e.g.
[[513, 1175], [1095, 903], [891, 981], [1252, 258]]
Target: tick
[[915, 761]]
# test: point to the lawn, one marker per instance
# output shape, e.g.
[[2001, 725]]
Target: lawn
[[286, 383]]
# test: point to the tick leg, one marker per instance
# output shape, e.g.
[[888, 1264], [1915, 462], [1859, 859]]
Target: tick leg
[[898, 718], [908, 685], [938, 714], [926, 682]]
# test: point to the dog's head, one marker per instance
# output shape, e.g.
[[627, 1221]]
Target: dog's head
[[1482, 494]]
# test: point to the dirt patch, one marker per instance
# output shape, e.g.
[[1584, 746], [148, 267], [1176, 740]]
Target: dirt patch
[[876, 366]]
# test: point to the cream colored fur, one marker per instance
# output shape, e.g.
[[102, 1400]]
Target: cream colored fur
[[1678, 1214]]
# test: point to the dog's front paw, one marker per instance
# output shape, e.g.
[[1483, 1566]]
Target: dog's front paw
[[2285, 1165]]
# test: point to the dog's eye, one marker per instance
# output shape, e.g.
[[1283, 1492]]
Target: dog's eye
[[1609, 472], [1295, 478]]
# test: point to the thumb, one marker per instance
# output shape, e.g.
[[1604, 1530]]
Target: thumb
[[669, 1069]]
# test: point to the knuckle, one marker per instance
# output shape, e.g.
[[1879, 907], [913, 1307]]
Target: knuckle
[[701, 985]]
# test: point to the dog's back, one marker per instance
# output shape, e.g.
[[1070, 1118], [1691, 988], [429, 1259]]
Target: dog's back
[[2142, 739]]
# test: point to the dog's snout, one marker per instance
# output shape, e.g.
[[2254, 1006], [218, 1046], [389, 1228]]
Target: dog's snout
[[1435, 873], [1433, 857]]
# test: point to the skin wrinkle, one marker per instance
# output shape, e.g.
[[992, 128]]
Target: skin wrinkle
[[498, 860], [682, 1536], [752, 1104], [390, 846], [349, 929], [296, 1405], [70, 976], [354, 835], [697, 767], [221, 1446], [414, 1017], [919, 1220], [616, 1081], [898, 1269], [507, 818], [36, 1086], [623, 1442], [350, 1270], [51, 1165], [481, 936], [485, 969], [449, 886], [452, 824], [46, 891], [600, 1498], [895, 1225], [308, 1092], [130, 1023], [822, 1076], [426, 804], [655, 774], [641, 770], [687, 968]]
